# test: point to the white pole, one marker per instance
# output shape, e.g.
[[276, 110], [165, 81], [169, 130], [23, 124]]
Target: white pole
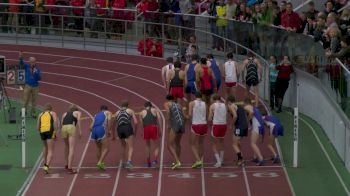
[[295, 138], [23, 136]]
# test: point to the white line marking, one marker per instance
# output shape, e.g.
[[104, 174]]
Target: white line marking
[[246, 182], [63, 60], [85, 58], [187, 167], [117, 178], [32, 179], [326, 154], [116, 79], [203, 181]]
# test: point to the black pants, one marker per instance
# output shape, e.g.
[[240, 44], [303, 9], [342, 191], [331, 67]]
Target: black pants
[[281, 88], [273, 98]]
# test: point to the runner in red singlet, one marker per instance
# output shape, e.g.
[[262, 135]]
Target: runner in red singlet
[[205, 79]]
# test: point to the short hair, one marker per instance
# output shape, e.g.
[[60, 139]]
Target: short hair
[[169, 97], [125, 103], [73, 108], [210, 56], [311, 3], [103, 107], [198, 94], [203, 60], [216, 97], [170, 59], [48, 107], [195, 57], [229, 55], [250, 54], [177, 64], [289, 3], [148, 104], [231, 99]]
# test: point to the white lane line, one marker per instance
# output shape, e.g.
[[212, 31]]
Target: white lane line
[[263, 168], [99, 70], [203, 181], [117, 178], [132, 92], [85, 58], [63, 60], [46, 95], [116, 79], [326, 154], [33, 176], [246, 182]]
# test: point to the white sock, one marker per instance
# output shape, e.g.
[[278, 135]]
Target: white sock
[[217, 158], [222, 156]]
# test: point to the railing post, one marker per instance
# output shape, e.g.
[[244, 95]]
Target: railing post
[[105, 28], [126, 36], [16, 29], [84, 33], [62, 31], [163, 36], [39, 14], [144, 39]]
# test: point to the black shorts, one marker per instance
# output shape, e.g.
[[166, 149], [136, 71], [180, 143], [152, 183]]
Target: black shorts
[[240, 132], [47, 135], [252, 82], [125, 131], [207, 92]]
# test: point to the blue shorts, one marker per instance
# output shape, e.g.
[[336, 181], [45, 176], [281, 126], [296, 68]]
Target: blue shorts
[[191, 88], [98, 133]]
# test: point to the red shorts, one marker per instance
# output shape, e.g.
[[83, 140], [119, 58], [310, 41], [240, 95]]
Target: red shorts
[[150, 132], [231, 84], [200, 129], [177, 92], [219, 130]]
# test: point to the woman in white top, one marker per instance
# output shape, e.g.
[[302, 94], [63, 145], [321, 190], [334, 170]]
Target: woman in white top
[[231, 75], [199, 128], [165, 70], [218, 114]]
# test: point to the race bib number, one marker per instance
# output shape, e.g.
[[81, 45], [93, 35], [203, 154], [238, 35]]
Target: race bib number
[[11, 77], [21, 76]]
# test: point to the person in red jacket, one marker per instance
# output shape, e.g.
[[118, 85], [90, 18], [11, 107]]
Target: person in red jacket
[[282, 82], [78, 12], [142, 46], [290, 20], [118, 27], [157, 49], [12, 19]]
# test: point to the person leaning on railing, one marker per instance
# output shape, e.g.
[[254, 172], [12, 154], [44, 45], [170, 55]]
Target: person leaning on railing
[[39, 20], [79, 12], [344, 53], [13, 16]]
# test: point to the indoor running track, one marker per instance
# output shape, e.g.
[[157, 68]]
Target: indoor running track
[[89, 79]]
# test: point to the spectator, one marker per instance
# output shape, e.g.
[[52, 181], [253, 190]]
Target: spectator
[[273, 76], [303, 22], [344, 53], [283, 6], [276, 14], [221, 23], [212, 21], [290, 20], [79, 12], [231, 8], [49, 8], [329, 7], [186, 7], [39, 19], [154, 30], [118, 27], [334, 42], [145, 45], [282, 82], [310, 25], [191, 49], [344, 21], [311, 11], [157, 49], [174, 8], [320, 28], [98, 25], [13, 16]]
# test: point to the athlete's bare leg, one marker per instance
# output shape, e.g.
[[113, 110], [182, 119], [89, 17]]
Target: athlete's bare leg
[[195, 146], [253, 140], [104, 149], [172, 146], [130, 143]]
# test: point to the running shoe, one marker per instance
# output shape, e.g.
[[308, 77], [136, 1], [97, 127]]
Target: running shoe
[[46, 168], [129, 165], [240, 162], [176, 166], [66, 167], [172, 164], [72, 171], [154, 163], [276, 159], [217, 165], [255, 160], [261, 163], [100, 166], [197, 164]]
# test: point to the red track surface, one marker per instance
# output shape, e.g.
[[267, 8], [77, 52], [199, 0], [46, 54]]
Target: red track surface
[[90, 79]]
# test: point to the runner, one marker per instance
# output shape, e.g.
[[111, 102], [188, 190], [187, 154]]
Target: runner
[[176, 123], [191, 77], [240, 127], [165, 70], [176, 82], [218, 115], [126, 129], [257, 129], [199, 128], [216, 70], [150, 119], [205, 79], [100, 127], [70, 122], [47, 127], [275, 129], [231, 75], [253, 75]]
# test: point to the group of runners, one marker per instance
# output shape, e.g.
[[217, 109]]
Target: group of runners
[[202, 106]]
